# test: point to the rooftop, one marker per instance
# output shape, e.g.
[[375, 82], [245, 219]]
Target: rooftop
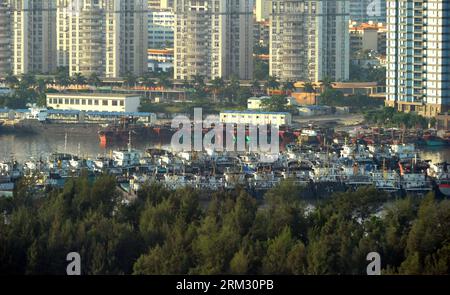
[[87, 94], [255, 112]]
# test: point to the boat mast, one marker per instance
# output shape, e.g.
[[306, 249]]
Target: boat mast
[[129, 141]]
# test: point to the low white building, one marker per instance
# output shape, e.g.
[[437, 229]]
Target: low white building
[[101, 102], [256, 118]]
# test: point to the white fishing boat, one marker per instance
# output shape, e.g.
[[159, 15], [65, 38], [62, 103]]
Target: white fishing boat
[[415, 182]]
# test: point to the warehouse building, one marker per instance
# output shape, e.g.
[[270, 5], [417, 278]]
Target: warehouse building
[[101, 102]]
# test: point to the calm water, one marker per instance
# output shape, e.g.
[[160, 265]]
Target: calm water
[[23, 148]]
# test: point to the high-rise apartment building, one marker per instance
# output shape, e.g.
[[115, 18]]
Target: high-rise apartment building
[[161, 27], [157, 4], [154, 4], [213, 38], [418, 56], [33, 32], [364, 11], [262, 9], [167, 4], [309, 40], [105, 37], [5, 39]]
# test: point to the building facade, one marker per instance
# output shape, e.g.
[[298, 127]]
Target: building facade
[[366, 37], [213, 38], [418, 56], [309, 40], [33, 36], [256, 118], [106, 37], [368, 10], [160, 60], [161, 26], [99, 102], [262, 10], [5, 40]]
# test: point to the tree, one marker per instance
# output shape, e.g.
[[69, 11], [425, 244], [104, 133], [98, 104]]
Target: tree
[[94, 80], [147, 80], [165, 83], [309, 87], [12, 81], [255, 87], [272, 83], [217, 85], [288, 86], [275, 103], [199, 82], [27, 80], [79, 79], [233, 87], [130, 80], [260, 69], [275, 262], [327, 83], [297, 259], [240, 263], [62, 76]]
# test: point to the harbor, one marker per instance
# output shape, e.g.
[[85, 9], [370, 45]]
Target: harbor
[[319, 160]]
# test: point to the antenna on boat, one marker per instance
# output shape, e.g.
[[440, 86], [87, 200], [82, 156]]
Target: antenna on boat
[[129, 141], [65, 143]]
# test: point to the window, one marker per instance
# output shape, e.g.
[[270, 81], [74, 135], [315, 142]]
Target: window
[[89, 102], [105, 102], [114, 103], [96, 102]]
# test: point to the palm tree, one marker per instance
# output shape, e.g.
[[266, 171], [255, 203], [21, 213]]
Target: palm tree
[[129, 80], [41, 86], [217, 85], [147, 80], [255, 86], [288, 86], [199, 81], [308, 87], [94, 80], [27, 80], [327, 83], [186, 84], [272, 83], [165, 83], [234, 86], [79, 79], [11, 80]]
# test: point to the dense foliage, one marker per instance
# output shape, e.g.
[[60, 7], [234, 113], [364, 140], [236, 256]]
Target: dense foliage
[[336, 98], [174, 232], [389, 117]]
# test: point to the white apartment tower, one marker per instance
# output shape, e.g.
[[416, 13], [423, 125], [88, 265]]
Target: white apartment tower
[[105, 37], [309, 40], [418, 56], [5, 40], [262, 9], [33, 35], [213, 38], [363, 11]]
